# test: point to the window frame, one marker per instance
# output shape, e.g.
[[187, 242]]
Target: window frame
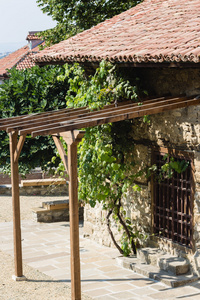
[[188, 155]]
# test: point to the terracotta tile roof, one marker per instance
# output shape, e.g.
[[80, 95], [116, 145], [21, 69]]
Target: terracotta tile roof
[[26, 61], [153, 31], [21, 59], [8, 62]]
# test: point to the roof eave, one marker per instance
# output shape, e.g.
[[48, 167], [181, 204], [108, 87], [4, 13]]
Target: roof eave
[[125, 64]]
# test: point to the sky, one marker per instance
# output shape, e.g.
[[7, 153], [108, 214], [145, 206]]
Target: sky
[[17, 17]]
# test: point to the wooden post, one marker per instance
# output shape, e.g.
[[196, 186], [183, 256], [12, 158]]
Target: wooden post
[[70, 162], [74, 221], [16, 208]]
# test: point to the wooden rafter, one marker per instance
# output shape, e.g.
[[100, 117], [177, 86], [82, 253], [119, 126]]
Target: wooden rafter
[[115, 115], [71, 119], [83, 115], [49, 115]]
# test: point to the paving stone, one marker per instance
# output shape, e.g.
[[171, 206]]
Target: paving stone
[[110, 268], [120, 287], [98, 292], [106, 297], [88, 266], [182, 292], [144, 291], [47, 268], [142, 282], [91, 286], [123, 295]]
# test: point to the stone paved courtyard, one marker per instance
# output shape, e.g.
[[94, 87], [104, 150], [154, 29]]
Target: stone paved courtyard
[[46, 248]]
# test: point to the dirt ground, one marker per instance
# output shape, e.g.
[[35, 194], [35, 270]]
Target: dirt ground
[[38, 285]]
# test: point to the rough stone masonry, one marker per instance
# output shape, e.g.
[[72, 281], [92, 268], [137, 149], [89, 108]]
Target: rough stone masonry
[[178, 129]]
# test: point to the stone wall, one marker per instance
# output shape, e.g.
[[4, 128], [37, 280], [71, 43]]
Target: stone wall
[[41, 190], [167, 81], [34, 174], [178, 129]]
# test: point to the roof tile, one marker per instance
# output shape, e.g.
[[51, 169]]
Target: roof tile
[[153, 31]]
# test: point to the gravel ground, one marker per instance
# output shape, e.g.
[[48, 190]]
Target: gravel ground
[[38, 285], [26, 205]]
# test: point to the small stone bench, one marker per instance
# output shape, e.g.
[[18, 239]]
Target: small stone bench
[[54, 211], [50, 186]]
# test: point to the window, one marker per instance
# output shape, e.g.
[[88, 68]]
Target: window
[[173, 201]]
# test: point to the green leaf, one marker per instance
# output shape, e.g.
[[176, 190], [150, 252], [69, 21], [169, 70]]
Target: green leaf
[[136, 188]]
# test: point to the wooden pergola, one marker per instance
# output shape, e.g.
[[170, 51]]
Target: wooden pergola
[[66, 123]]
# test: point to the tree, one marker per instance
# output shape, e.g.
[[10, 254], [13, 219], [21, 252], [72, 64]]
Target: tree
[[31, 91], [75, 16]]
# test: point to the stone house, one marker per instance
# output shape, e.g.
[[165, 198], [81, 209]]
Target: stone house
[[159, 42]]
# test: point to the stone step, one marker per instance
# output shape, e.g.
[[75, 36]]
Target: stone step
[[174, 265], [153, 272], [155, 257], [56, 204], [55, 211]]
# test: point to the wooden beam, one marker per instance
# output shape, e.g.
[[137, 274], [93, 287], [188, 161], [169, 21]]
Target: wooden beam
[[16, 206], [61, 151], [30, 121], [74, 218], [86, 114], [29, 116], [72, 136], [26, 119], [127, 114], [19, 147], [57, 116]]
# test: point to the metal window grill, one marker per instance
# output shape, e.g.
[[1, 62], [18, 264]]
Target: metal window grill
[[173, 205]]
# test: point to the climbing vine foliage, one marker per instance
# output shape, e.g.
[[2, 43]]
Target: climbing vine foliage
[[106, 152]]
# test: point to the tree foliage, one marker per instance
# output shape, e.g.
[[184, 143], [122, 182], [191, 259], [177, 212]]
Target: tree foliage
[[75, 16], [30, 91]]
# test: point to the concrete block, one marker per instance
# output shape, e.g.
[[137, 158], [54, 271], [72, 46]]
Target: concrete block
[[21, 278]]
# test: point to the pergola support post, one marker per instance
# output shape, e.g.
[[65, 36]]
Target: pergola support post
[[74, 222], [16, 208], [70, 162]]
